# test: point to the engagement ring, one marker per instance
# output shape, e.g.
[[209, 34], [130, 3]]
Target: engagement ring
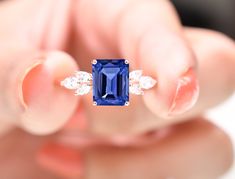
[[111, 82]]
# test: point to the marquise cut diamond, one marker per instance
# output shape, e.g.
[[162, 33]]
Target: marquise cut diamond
[[139, 82], [136, 89], [146, 82], [83, 89], [70, 83], [135, 75], [81, 82], [83, 76]]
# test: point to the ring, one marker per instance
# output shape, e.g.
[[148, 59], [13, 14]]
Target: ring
[[111, 82]]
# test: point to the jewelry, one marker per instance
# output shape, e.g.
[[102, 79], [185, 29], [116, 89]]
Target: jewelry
[[111, 82]]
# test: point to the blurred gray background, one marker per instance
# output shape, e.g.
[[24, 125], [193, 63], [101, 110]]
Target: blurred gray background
[[213, 14]]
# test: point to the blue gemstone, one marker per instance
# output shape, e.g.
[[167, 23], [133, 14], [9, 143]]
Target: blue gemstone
[[110, 82]]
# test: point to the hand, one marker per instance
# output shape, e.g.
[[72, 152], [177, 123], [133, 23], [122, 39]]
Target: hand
[[149, 34]]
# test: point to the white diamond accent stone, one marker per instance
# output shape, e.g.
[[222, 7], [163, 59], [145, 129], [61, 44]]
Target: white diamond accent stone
[[82, 90], [147, 82], [135, 75], [70, 83], [139, 82], [136, 89], [83, 76], [81, 82]]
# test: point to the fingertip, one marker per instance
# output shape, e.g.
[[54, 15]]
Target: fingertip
[[176, 98], [47, 106], [173, 63]]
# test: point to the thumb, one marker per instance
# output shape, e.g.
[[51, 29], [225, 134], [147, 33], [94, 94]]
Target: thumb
[[31, 96]]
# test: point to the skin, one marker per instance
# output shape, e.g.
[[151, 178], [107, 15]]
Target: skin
[[89, 140]]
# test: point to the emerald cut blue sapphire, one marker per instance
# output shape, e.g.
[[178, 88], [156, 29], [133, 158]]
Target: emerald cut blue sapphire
[[110, 82]]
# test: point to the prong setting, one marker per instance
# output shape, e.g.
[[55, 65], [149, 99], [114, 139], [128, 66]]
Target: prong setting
[[94, 62]]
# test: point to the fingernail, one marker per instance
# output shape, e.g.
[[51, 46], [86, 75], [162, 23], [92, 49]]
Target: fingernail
[[186, 93], [41, 97], [38, 82], [61, 160], [21, 87]]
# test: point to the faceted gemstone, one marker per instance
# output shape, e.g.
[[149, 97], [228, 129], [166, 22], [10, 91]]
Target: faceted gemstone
[[110, 82], [83, 76], [139, 82], [147, 82], [81, 82], [136, 89], [70, 83], [135, 75], [134, 86], [83, 89]]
